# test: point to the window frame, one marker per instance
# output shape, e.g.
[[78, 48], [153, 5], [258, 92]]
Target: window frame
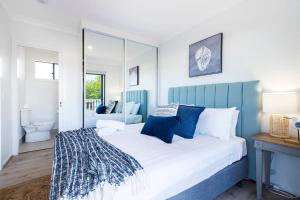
[[53, 70]]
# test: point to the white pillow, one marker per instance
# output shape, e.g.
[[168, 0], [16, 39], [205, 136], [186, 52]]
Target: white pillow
[[216, 122], [135, 108], [119, 107], [110, 106], [235, 118], [129, 106]]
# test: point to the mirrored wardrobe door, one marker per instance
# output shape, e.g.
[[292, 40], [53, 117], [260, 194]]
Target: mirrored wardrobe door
[[140, 81], [103, 78]]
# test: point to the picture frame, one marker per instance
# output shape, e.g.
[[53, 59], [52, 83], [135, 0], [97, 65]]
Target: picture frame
[[205, 56], [134, 76]]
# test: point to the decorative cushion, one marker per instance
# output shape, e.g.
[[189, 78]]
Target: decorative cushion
[[100, 109], [216, 122], [161, 127], [135, 109], [188, 118], [110, 106], [167, 110]]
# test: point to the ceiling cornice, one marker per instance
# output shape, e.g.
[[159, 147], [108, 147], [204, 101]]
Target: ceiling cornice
[[64, 29], [94, 26]]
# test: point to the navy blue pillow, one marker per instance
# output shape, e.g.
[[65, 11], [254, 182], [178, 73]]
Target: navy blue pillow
[[188, 118], [100, 109], [161, 127]]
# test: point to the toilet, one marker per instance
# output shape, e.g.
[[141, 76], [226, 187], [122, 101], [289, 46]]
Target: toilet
[[35, 131]]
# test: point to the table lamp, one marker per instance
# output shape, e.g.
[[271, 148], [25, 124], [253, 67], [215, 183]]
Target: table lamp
[[279, 104], [117, 98]]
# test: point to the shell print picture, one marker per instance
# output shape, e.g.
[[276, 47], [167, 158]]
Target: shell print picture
[[205, 56]]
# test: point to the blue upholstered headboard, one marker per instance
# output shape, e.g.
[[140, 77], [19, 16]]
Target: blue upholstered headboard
[[243, 95], [139, 96]]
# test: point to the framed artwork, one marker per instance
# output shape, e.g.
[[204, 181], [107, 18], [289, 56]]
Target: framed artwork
[[205, 56], [134, 76]]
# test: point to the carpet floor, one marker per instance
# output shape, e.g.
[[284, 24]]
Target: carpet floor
[[38, 189]]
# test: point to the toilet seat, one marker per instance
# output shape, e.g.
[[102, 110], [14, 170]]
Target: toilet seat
[[38, 131], [42, 123], [37, 136]]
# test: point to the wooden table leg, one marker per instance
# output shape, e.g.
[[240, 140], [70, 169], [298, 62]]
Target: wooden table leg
[[267, 160], [259, 168]]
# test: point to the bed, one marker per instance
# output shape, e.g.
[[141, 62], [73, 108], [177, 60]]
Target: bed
[[246, 97], [137, 96], [198, 168], [130, 119], [242, 95], [174, 168]]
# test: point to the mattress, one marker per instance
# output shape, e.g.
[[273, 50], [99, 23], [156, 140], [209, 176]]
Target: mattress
[[173, 168]]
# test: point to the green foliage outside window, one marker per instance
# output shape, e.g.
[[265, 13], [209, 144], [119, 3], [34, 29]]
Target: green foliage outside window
[[93, 88]]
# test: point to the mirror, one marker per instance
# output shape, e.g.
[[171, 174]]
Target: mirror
[[120, 79], [141, 81], [103, 78]]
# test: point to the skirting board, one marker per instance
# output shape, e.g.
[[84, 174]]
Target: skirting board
[[5, 162], [212, 187]]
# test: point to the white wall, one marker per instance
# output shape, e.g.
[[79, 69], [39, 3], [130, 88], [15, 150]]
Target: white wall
[[21, 76], [5, 87], [147, 62], [261, 42], [69, 48], [41, 94]]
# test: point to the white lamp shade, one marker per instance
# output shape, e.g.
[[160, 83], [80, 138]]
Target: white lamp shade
[[117, 98], [280, 103]]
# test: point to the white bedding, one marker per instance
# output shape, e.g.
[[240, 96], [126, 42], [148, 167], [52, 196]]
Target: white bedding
[[173, 168], [92, 117]]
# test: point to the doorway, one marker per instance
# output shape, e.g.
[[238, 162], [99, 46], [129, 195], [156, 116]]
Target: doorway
[[38, 76]]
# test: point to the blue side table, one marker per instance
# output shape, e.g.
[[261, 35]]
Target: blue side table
[[265, 145]]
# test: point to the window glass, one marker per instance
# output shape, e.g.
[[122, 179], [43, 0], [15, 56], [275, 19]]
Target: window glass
[[44, 70], [94, 90]]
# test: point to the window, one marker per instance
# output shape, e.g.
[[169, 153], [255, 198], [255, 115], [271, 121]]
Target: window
[[95, 90], [56, 71], [44, 70]]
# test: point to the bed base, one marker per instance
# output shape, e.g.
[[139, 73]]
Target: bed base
[[212, 187]]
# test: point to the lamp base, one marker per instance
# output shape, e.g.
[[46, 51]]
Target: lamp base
[[279, 126]]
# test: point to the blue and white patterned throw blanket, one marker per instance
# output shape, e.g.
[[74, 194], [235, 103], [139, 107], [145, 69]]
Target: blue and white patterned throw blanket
[[83, 162]]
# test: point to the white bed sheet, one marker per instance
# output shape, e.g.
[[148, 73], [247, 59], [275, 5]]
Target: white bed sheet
[[173, 168], [91, 119]]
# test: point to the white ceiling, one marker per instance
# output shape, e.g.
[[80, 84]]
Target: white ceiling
[[156, 20]]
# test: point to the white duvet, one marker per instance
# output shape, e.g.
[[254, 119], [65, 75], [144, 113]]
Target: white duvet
[[172, 168]]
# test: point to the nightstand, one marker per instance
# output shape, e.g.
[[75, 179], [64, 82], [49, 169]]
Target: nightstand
[[265, 145]]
